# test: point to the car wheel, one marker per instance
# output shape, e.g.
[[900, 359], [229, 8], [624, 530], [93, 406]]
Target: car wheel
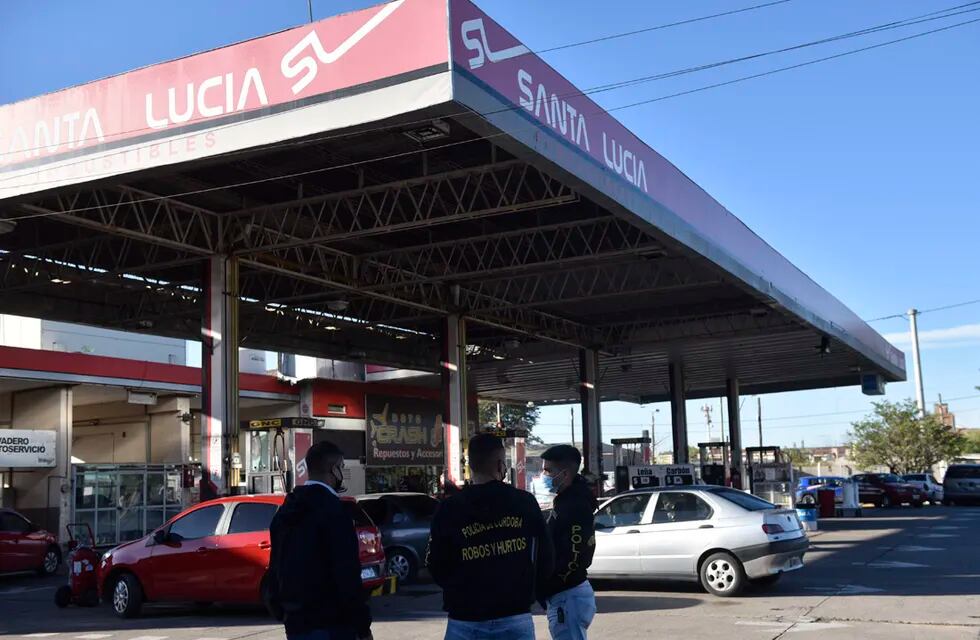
[[402, 566], [808, 498], [49, 565], [62, 597], [127, 596], [766, 581], [918, 504], [886, 502], [722, 575]]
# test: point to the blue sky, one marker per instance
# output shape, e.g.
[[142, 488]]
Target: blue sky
[[862, 171]]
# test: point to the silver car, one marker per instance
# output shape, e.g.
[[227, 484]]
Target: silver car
[[961, 484], [722, 537]]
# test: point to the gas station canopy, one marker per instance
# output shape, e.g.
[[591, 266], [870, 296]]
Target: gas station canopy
[[371, 176]]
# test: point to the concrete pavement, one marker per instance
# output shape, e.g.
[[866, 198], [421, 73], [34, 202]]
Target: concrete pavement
[[898, 574]]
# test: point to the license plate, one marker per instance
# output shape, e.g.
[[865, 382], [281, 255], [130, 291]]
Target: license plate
[[370, 572]]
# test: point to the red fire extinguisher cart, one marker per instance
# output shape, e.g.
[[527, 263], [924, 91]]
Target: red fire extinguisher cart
[[83, 560]]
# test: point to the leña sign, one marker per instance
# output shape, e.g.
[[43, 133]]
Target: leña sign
[[27, 448]]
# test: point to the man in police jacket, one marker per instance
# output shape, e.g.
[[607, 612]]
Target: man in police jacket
[[567, 592], [489, 550], [314, 583]]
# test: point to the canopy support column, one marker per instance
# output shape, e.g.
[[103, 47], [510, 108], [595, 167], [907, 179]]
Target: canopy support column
[[219, 384], [453, 367], [678, 412], [591, 414], [735, 432]]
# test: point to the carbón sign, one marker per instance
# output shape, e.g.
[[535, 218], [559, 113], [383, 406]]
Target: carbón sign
[[27, 448]]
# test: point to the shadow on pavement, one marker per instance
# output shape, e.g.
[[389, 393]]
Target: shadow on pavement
[[606, 603]]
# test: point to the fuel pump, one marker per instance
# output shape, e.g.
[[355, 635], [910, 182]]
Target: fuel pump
[[714, 457], [771, 476], [274, 451]]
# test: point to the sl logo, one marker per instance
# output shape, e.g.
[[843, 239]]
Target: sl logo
[[481, 48], [307, 65]]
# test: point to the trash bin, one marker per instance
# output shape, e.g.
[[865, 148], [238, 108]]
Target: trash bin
[[826, 498], [808, 517]]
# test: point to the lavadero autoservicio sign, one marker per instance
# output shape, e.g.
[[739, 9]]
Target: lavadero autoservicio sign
[[27, 448]]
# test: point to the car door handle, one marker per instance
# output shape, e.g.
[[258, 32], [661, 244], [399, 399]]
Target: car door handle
[[633, 531], [202, 549], [707, 526], [265, 545]]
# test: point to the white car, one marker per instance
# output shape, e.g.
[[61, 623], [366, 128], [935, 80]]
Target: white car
[[927, 484], [721, 537]]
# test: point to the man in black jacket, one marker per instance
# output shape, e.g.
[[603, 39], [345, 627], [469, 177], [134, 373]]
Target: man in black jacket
[[489, 550], [567, 592], [314, 577]]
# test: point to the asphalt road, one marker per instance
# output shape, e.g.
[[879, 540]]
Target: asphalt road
[[896, 574]]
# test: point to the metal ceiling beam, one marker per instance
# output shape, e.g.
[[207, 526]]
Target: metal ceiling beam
[[450, 197]]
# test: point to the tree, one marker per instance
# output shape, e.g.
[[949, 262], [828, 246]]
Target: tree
[[798, 457], [512, 416], [895, 436], [971, 442]]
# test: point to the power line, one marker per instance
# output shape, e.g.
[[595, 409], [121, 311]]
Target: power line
[[625, 34], [794, 417], [942, 308], [529, 52], [495, 135], [913, 20]]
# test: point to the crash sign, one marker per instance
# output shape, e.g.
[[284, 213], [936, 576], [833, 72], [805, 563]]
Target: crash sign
[[27, 448]]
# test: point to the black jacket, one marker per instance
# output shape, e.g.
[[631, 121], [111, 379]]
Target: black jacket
[[314, 569], [572, 529], [489, 550]]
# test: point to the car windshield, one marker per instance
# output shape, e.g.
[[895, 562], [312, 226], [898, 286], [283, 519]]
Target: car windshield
[[889, 477], [747, 501], [966, 471], [915, 476]]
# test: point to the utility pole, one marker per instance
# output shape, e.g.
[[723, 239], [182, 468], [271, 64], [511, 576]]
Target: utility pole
[[721, 417], [920, 401], [571, 413], [707, 417], [759, 399], [653, 435], [309, 5]]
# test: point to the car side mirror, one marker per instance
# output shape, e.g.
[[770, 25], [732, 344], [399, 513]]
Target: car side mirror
[[33, 528], [161, 536], [602, 525]]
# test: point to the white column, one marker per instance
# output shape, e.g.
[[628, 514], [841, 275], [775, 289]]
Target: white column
[[219, 386], [453, 368]]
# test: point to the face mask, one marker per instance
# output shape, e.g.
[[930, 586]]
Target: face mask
[[549, 483]]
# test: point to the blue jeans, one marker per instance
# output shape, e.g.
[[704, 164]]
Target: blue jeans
[[335, 633], [510, 628], [571, 612]]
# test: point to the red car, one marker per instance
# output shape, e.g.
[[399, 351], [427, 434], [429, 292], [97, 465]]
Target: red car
[[24, 546], [887, 490], [216, 551]]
